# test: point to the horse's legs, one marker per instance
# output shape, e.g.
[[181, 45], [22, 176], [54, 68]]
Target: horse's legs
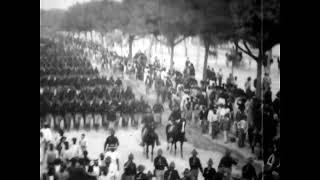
[[147, 151], [152, 148], [175, 148], [181, 148]]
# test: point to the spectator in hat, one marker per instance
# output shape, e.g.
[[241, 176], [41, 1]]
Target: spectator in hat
[[225, 125], [75, 149], [67, 153], [266, 82], [220, 174], [102, 163], [47, 134], [220, 76], [83, 143], [248, 170], [235, 82], [212, 120], [114, 166], [93, 171], [140, 174], [150, 175], [243, 129], [52, 155], [247, 86], [209, 172], [203, 118], [171, 173], [195, 165], [160, 163], [226, 163], [186, 174], [130, 170], [85, 161], [76, 172], [103, 176], [63, 173]]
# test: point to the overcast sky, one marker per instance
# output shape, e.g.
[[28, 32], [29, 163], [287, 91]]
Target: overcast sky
[[58, 4]]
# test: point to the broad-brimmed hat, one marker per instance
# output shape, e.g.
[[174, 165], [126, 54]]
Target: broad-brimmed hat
[[141, 168], [130, 156], [194, 151], [186, 172], [172, 164]]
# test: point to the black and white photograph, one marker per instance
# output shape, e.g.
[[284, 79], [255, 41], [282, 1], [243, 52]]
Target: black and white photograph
[[159, 89]]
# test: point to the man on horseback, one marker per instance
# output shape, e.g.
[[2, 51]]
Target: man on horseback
[[148, 135], [175, 130], [148, 127], [175, 120]]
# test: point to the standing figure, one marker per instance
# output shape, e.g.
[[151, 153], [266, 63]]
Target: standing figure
[[171, 173], [160, 163], [112, 142], [130, 170], [195, 165]]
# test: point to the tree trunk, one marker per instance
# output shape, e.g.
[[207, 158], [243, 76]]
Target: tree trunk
[[185, 48], [259, 74], [150, 47], [121, 49], [236, 59], [131, 38], [91, 36], [198, 54], [172, 54], [206, 53], [155, 47], [269, 62], [102, 39], [232, 68]]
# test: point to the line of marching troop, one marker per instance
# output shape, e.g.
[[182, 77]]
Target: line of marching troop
[[64, 62], [73, 100]]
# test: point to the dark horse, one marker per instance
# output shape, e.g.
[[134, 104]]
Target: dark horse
[[149, 138], [175, 133]]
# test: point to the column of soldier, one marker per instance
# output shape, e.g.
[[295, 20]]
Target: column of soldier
[[74, 95]]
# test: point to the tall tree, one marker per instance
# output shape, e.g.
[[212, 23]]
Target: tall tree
[[256, 27], [78, 19], [215, 24], [177, 22], [132, 21], [51, 18]]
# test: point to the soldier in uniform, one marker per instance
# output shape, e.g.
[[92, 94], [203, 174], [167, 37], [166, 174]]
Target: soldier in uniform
[[195, 165], [141, 175], [171, 173], [160, 163]]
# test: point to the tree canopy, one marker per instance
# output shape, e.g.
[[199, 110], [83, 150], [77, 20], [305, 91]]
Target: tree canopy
[[256, 25], [253, 27]]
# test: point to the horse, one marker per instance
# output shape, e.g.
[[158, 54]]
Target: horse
[[149, 138], [175, 133]]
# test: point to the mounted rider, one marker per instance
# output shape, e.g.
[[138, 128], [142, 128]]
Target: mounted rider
[[148, 125], [175, 120]]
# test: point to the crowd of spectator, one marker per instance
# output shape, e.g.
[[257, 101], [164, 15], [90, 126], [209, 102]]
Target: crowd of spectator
[[71, 87]]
